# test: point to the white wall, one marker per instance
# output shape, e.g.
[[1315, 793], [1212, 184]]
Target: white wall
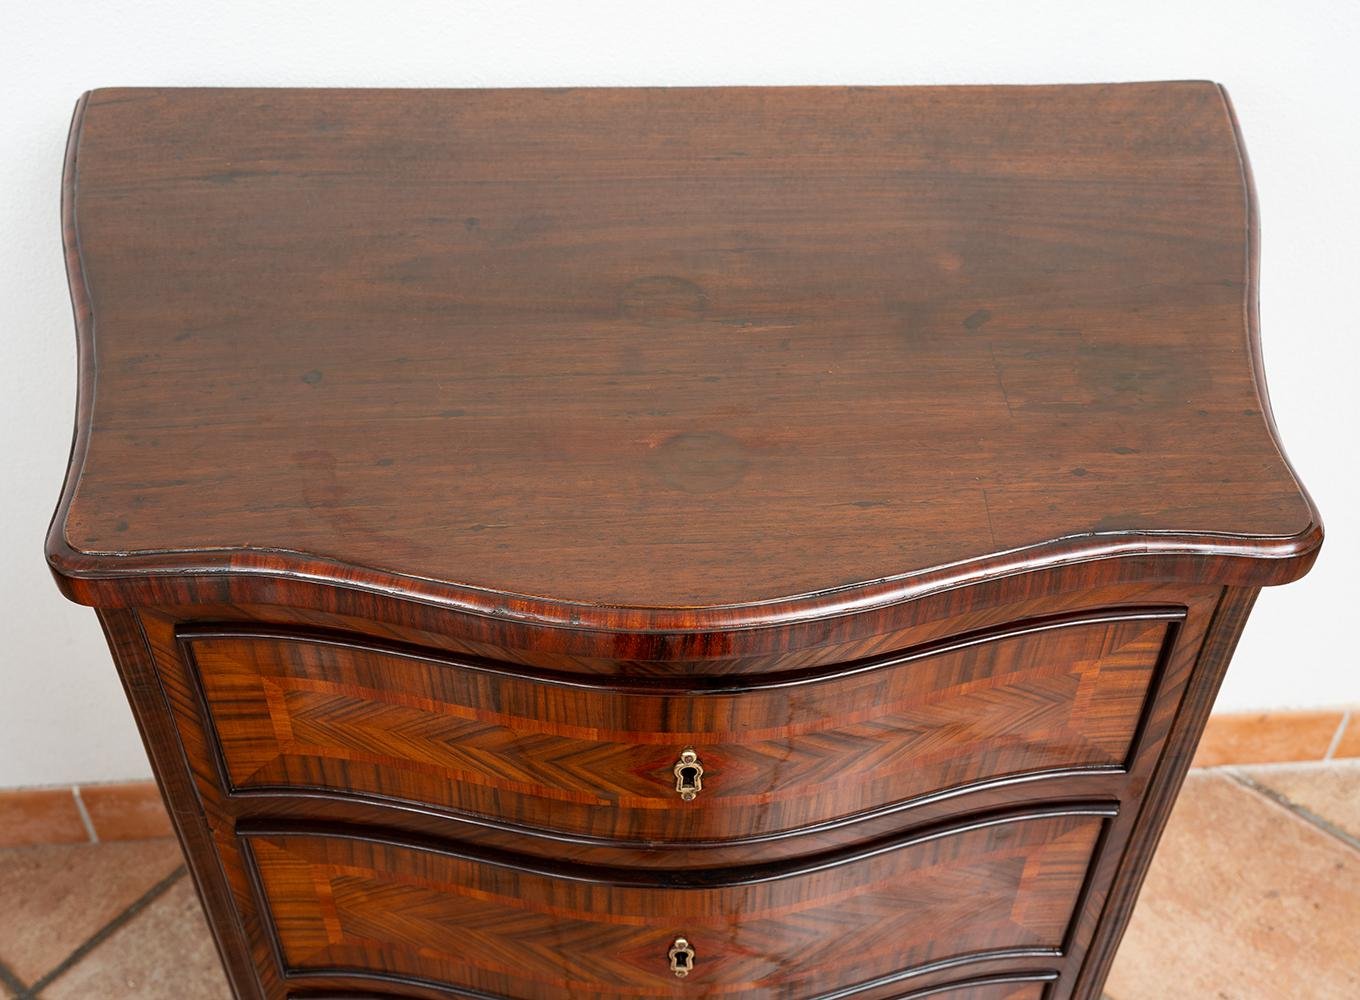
[[1291, 68]]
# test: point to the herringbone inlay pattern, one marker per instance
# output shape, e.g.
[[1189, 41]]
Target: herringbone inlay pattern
[[295, 713], [997, 991], [339, 902]]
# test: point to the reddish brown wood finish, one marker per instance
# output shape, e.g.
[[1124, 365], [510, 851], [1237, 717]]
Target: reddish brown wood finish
[[227, 812], [599, 356], [582, 757], [1007, 886], [457, 458], [988, 991], [1002, 990], [1018, 986]]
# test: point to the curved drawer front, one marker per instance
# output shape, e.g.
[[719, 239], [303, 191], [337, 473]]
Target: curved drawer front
[[294, 713], [992, 988], [341, 903], [986, 991], [1016, 987]]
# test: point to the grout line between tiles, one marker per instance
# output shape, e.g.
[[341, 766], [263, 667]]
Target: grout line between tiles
[[1284, 765], [1336, 737], [1307, 815], [84, 815], [10, 981], [104, 933]]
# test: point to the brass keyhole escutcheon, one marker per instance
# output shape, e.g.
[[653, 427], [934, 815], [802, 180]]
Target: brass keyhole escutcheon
[[689, 775], [682, 958]]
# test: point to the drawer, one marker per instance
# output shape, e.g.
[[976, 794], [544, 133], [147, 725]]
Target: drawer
[[1020, 986], [572, 755], [991, 988], [352, 904], [995, 989]]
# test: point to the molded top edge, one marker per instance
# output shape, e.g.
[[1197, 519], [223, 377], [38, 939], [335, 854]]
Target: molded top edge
[[1014, 310]]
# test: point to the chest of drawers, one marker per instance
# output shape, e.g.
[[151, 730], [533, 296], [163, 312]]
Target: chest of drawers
[[762, 543]]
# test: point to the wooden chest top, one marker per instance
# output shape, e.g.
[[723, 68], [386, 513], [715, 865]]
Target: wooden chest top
[[552, 353]]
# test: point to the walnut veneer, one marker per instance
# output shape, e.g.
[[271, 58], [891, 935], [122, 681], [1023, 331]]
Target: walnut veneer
[[766, 543]]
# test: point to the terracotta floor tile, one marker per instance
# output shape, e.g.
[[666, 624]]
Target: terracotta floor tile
[[1331, 791], [1266, 737], [56, 896], [163, 953], [40, 816], [1244, 901], [130, 810], [1349, 744]]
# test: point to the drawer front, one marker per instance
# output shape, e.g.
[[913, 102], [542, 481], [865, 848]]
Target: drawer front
[[576, 757], [986, 991], [1016, 987], [1002, 988], [340, 903]]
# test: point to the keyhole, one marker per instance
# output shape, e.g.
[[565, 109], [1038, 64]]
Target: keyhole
[[681, 955], [689, 775]]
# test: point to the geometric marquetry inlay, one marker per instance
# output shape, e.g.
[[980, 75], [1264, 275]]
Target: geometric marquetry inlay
[[292, 712], [339, 902]]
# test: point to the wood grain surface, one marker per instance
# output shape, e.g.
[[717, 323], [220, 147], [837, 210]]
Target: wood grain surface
[[596, 758], [1014, 986], [447, 462], [1007, 885], [558, 353]]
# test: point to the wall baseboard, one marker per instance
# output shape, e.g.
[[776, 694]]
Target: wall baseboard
[[133, 810]]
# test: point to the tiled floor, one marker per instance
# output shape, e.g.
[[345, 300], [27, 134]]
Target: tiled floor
[[1255, 894]]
